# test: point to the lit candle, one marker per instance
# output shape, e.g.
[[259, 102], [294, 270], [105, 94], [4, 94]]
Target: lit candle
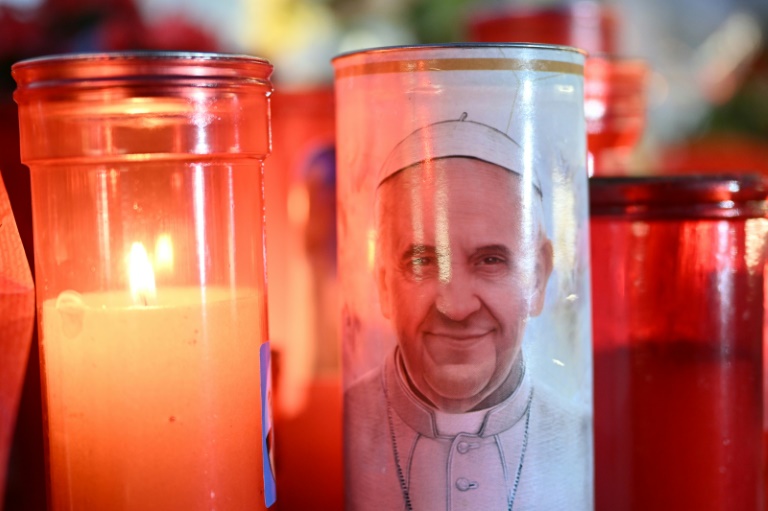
[[149, 239], [153, 397]]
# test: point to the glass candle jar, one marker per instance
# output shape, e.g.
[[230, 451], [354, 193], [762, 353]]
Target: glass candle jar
[[300, 176], [464, 277], [678, 318], [615, 101], [614, 86], [148, 223], [589, 25]]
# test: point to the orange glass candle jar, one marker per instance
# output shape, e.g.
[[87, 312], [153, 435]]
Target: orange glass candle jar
[[678, 317], [148, 222]]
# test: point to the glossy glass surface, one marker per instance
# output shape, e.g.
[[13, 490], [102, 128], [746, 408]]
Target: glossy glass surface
[[678, 318], [148, 223]]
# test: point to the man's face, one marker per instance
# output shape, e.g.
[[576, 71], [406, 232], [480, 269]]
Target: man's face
[[462, 268]]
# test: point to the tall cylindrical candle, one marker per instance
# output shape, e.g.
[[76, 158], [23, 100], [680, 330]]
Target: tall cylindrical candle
[[148, 221], [678, 318], [300, 177], [614, 85], [464, 278]]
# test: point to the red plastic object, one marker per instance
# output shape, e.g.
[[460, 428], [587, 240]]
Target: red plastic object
[[678, 318], [584, 24], [17, 318]]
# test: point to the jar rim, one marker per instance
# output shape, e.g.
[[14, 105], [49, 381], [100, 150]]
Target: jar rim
[[727, 195], [55, 70], [462, 45]]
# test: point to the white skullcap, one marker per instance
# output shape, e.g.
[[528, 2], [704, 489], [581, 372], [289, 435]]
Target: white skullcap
[[456, 138]]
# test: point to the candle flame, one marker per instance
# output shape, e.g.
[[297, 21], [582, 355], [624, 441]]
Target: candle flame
[[141, 277]]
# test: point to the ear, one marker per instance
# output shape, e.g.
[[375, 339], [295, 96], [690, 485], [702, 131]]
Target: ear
[[385, 293], [544, 265]]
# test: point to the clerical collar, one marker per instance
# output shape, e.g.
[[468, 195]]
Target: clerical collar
[[451, 424], [423, 418]]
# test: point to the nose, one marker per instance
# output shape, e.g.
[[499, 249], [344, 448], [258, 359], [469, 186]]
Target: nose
[[457, 298]]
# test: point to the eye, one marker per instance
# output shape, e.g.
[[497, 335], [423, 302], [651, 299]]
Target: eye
[[420, 267], [421, 261], [492, 265], [491, 260]]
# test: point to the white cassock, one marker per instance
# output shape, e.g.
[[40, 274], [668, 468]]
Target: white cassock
[[530, 452]]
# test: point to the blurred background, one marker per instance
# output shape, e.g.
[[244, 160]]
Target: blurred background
[[704, 102]]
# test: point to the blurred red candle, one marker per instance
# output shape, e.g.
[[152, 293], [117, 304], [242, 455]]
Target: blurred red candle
[[17, 316], [615, 108], [678, 317], [614, 86], [589, 25], [300, 176], [148, 221]]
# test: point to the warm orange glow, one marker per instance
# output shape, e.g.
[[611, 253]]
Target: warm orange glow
[[141, 276], [163, 253], [127, 426], [298, 205], [371, 249]]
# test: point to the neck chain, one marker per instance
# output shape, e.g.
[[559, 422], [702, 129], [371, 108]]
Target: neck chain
[[511, 494]]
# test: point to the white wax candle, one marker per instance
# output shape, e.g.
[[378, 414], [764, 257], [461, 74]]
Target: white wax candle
[[154, 407]]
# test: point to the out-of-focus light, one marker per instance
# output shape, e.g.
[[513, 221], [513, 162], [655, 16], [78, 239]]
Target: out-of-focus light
[[594, 109], [164, 252], [141, 277], [22, 4], [725, 56], [298, 205]]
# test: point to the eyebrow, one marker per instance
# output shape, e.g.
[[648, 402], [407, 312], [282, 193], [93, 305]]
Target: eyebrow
[[495, 248]]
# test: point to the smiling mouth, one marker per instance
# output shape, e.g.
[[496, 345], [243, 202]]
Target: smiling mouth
[[463, 348], [458, 337]]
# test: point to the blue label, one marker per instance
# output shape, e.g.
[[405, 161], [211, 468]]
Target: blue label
[[267, 430]]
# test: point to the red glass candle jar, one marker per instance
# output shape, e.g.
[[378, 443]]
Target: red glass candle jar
[[584, 24], [678, 317], [300, 181], [148, 221], [615, 108], [17, 317]]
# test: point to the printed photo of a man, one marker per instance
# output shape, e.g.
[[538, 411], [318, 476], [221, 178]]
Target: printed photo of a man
[[453, 420]]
